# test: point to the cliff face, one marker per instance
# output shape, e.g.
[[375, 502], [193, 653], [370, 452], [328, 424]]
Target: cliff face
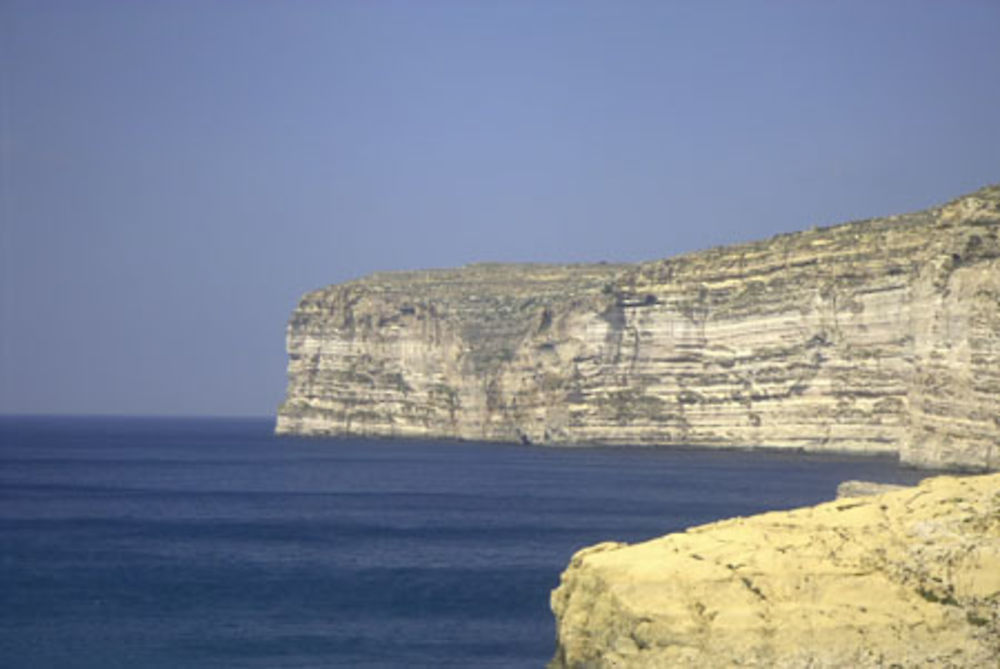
[[874, 336], [909, 578]]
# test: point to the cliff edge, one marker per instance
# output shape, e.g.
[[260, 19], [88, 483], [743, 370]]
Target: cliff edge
[[878, 336], [909, 578]]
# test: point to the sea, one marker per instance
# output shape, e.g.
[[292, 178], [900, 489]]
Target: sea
[[196, 542]]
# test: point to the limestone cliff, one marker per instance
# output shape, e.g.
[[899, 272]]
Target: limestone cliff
[[873, 337], [909, 578]]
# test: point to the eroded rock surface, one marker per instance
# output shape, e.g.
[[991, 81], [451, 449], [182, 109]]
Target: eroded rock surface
[[861, 488], [909, 578], [879, 336]]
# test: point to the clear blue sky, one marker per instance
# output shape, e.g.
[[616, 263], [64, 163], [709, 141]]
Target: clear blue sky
[[176, 174]]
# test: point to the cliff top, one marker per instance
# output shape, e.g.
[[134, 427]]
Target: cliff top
[[979, 207]]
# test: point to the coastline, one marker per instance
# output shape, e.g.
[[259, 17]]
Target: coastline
[[866, 337]]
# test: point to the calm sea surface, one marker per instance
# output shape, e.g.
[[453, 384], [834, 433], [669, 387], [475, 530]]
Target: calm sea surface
[[212, 543]]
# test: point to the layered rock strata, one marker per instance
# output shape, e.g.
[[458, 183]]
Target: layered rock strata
[[879, 336], [909, 578]]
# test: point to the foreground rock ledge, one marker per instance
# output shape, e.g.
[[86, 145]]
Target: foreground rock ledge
[[908, 578]]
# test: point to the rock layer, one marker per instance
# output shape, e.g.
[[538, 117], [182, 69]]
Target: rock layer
[[909, 578], [879, 336]]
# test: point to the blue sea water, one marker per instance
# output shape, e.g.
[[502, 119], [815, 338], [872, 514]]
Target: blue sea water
[[212, 543]]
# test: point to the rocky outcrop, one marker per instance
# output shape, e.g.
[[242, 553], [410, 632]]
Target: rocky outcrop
[[862, 488], [879, 336], [909, 578]]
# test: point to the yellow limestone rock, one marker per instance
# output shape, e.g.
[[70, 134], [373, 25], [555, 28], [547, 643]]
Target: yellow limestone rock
[[909, 578]]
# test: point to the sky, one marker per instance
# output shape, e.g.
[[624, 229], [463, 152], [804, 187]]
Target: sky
[[175, 175]]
